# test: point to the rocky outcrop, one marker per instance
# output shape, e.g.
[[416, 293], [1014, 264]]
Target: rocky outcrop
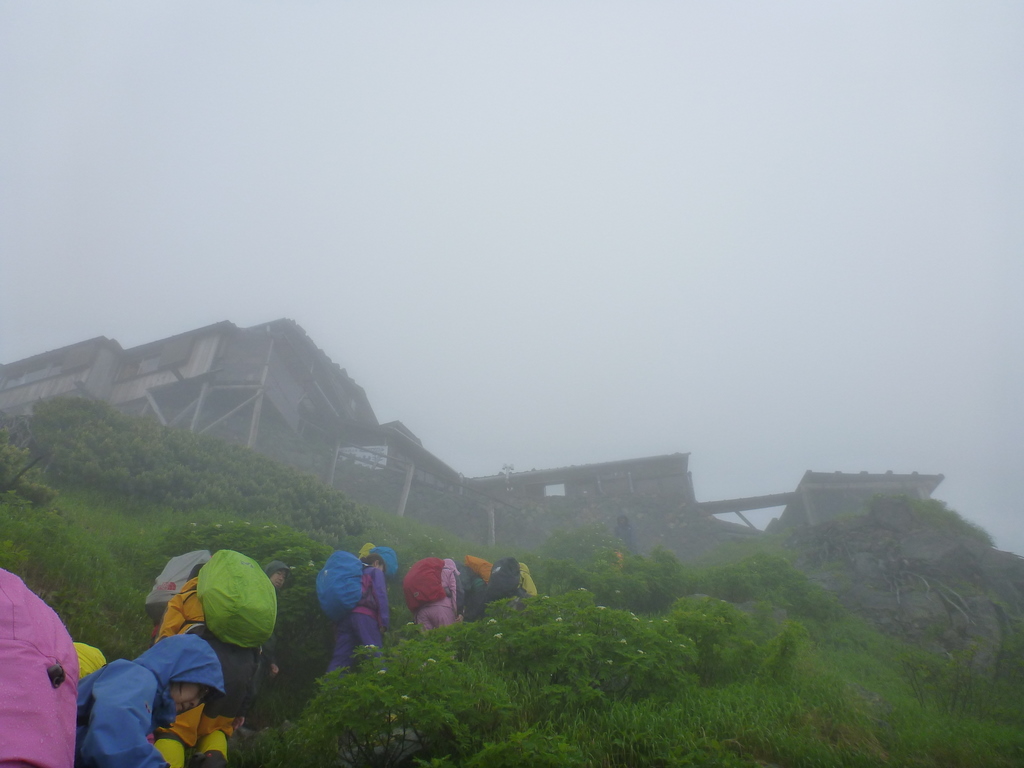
[[916, 577]]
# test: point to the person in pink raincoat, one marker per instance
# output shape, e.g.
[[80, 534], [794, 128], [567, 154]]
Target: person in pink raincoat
[[447, 610], [38, 681]]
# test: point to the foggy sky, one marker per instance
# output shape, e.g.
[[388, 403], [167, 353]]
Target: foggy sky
[[780, 236]]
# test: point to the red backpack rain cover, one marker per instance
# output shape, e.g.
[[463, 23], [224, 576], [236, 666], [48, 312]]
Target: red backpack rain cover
[[422, 584]]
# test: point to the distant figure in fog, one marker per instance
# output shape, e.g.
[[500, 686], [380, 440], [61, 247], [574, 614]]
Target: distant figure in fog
[[624, 531]]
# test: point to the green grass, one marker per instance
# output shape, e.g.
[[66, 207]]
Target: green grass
[[629, 672]]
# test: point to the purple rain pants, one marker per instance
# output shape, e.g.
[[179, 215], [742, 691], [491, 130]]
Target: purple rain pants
[[355, 630]]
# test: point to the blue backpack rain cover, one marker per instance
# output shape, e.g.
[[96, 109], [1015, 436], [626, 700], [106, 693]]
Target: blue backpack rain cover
[[390, 560], [339, 585]]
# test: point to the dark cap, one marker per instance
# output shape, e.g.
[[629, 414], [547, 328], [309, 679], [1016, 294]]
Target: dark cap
[[274, 566]]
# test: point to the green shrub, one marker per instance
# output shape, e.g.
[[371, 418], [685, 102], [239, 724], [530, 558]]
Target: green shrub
[[936, 514], [416, 697], [18, 474], [94, 445], [723, 636]]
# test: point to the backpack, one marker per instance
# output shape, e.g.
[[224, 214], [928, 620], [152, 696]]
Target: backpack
[[171, 579], [422, 584], [504, 581], [479, 566], [239, 602], [339, 585], [39, 672], [239, 666]]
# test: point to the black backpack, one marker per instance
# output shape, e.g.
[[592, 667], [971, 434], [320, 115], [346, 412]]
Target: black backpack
[[239, 666], [504, 581]]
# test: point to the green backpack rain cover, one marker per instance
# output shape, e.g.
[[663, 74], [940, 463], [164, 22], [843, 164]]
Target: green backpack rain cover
[[238, 599]]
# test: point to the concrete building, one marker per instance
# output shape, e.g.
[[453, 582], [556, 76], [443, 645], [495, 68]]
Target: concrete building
[[230, 382]]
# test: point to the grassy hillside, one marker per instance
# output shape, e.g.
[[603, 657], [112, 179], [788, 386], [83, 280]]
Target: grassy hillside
[[626, 660]]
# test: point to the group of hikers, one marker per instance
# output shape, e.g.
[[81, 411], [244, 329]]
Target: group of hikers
[[62, 704]]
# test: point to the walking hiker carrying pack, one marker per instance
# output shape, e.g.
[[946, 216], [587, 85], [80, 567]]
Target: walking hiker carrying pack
[[232, 605], [432, 592], [422, 584], [361, 623], [172, 580]]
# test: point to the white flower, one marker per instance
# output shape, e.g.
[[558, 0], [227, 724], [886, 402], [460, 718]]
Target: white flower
[[600, 607], [608, 661], [639, 651], [248, 523], [216, 525], [559, 618], [618, 591], [622, 641], [635, 619], [432, 661], [544, 597], [310, 563], [492, 621], [497, 634], [381, 671], [405, 698], [192, 524]]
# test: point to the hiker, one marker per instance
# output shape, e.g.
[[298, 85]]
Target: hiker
[[170, 582], [278, 573], [120, 705], [426, 578], [474, 585], [506, 579], [208, 728], [183, 609], [368, 620], [624, 531], [38, 680], [526, 581]]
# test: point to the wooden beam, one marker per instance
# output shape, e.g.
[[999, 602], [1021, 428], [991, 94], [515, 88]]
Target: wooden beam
[[254, 428], [230, 413], [156, 408], [182, 413], [334, 464], [199, 406], [409, 472]]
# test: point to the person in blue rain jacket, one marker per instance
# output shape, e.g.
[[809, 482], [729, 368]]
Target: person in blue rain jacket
[[121, 704]]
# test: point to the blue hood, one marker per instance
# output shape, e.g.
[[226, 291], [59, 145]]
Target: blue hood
[[182, 659]]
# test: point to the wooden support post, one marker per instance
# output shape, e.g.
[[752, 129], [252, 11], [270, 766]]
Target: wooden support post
[[409, 472], [156, 408], [182, 413], [741, 517], [254, 428], [334, 464], [199, 406], [490, 521]]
